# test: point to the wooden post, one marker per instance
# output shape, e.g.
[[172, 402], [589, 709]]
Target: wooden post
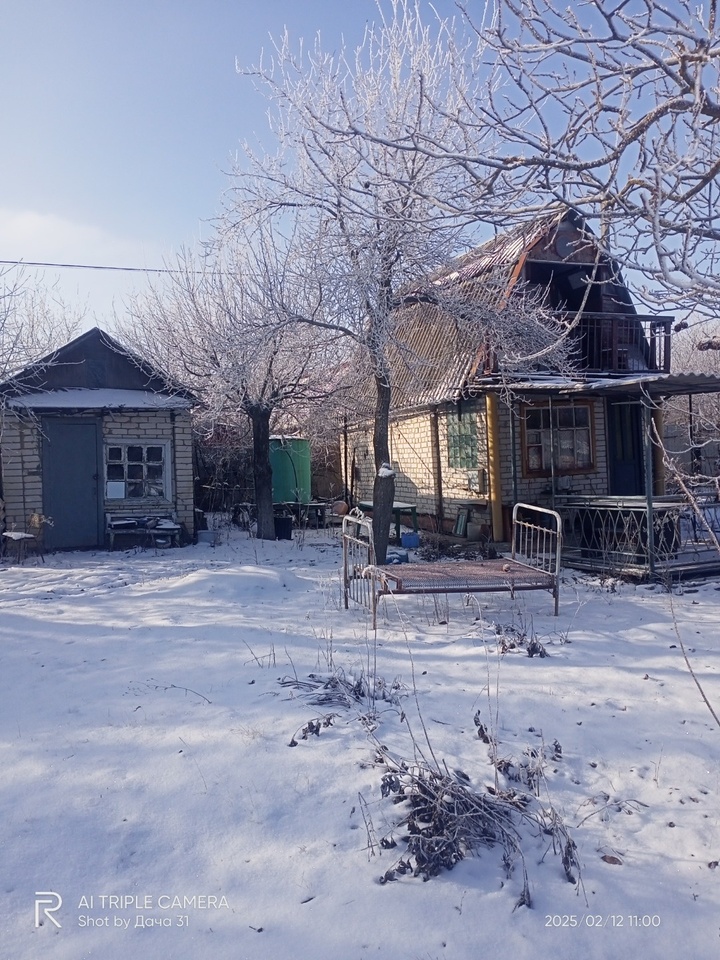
[[493, 443], [658, 462]]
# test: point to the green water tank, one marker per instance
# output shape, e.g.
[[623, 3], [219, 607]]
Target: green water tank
[[290, 462]]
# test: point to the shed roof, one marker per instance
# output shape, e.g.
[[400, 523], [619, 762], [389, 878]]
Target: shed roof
[[655, 386], [94, 361], [81, 398]]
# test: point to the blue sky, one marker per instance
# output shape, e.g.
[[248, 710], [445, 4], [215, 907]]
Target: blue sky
[[119, 119]]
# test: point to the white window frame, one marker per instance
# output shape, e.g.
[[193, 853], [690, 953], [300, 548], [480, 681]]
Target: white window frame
[[125, 442]]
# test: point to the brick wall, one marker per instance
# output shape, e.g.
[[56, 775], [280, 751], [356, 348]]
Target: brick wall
[[414, 460], [146, 426], [411, 452], [21, 445], [21, 470], [411, 448]]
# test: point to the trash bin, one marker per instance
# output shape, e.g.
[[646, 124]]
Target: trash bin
[[283, 528]]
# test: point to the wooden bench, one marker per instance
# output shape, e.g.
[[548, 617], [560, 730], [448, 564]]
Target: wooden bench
[[534, 564], [149, 530]]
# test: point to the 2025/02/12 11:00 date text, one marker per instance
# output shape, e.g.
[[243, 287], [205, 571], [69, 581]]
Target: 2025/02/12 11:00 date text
[[617, 920]]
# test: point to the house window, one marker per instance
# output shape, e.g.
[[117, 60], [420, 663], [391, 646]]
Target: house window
[[135, 471], [462, 442], [570, 436]]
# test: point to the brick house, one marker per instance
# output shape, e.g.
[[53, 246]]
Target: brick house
[[474, 439], [89, 431]]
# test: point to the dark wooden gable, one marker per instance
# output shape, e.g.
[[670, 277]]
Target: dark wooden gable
[[93, 360], [562, 262], [558, 257]]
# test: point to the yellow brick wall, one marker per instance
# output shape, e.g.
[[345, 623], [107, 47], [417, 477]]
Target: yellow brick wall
[[21, 470], [412, 456], [145, 426], [21, 445]]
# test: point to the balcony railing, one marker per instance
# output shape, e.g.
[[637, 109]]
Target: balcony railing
[[622, 343]]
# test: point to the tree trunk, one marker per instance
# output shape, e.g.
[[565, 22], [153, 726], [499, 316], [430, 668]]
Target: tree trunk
[[262, 472], [384, 486]]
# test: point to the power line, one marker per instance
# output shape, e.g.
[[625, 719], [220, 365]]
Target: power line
[[85, 266]]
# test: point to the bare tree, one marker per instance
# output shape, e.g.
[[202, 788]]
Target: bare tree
[[381, 215], [610, 108], [223, 324], [33, 322], [614, 109]]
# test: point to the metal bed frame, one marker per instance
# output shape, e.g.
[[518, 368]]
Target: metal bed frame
[[534, 564]]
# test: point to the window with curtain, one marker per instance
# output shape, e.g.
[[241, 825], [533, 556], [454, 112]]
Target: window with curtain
[[572, 435]]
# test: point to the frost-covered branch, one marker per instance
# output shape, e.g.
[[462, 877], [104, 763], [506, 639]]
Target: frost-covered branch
[[225, 323], [382, 216], [33, 322]]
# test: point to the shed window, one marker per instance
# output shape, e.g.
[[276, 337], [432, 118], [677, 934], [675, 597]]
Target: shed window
[[571, 432], [135, 471], [462, 442]]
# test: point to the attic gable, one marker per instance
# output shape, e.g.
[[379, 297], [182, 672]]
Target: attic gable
[[93, 361], [557, 267], [435, 355], [559, 236]]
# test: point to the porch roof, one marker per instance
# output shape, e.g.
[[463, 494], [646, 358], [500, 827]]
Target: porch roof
[[653, 385]]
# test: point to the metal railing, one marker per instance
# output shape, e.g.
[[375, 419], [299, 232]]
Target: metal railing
[[621, 535], [537, 537]]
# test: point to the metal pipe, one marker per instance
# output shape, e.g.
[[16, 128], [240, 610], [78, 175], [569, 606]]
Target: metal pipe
[[658, 417], [552, 453], [648, 450]]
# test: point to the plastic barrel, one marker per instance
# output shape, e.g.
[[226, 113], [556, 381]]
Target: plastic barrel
[[290, 462]]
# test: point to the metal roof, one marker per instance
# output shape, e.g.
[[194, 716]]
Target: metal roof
[[99, 399], [505, 249], [431, 360], [653, 385], [92, 360]]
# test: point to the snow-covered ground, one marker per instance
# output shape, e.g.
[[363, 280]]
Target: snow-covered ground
[[147, 778]]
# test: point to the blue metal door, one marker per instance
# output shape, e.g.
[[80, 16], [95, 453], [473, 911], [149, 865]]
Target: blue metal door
[[71, 466]]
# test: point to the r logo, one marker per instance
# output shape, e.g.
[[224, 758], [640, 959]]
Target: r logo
[[49, 902]]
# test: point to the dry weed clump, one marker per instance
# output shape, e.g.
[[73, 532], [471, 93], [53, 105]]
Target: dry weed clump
[[511, 638], [341, 690], [443, 820]]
